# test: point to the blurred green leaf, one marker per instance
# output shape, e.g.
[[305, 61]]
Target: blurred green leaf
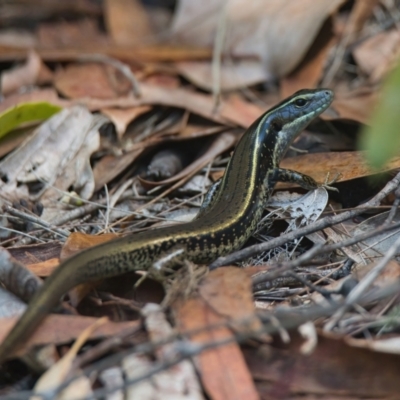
[[381, 139], [25, 112]]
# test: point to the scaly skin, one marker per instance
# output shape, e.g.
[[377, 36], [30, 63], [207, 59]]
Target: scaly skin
[[225, 224]]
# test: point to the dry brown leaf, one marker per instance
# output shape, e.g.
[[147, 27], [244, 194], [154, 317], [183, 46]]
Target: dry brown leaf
[[60, 329], [127, 21], [228, 292], [333, 370], [390, 274], [111, 166], [62, 34], [152, 76], [91, 80], [222, 369], [350, 164], [259, 29], [44, 268], [378, 55], [49, 95], [233, 110], [308, 73], [190, 131], [197, 103], [35, 253], [233, 75], [122, 117], [241, 112], [356, 105], [221, 143], [31, 72], [77, 242]]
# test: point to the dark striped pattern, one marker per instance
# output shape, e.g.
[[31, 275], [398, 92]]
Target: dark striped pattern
[[224, 225]]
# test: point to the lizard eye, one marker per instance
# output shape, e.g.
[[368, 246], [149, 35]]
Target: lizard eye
[[300, 102]]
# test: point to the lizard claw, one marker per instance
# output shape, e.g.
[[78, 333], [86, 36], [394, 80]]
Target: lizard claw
[[327, 182]]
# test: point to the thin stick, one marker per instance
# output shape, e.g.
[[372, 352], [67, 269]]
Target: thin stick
[[316, 226]]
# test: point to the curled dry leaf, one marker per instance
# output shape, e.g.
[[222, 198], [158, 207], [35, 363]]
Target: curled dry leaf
[[220, 144], [234, 75], [259, 29], [70, 137], [77, 242], [30, 73], [350, 164], [35, 253], [17, 278], [123, 117], [166, 163], [299, 210], [91, 80], [111, 166]]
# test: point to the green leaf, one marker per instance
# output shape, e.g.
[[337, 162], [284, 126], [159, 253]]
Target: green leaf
[[25, 112], [381, 139]]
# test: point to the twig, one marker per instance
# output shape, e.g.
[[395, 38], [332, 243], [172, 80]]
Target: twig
[[287, 319], [326, 293], [316, 250], [316, 226], [93, 206], [23, 234], [38, 221], [217, 55], [394, 207], [364, 284], [107, 216]]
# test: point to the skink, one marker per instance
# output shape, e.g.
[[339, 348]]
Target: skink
[[227, 218]]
